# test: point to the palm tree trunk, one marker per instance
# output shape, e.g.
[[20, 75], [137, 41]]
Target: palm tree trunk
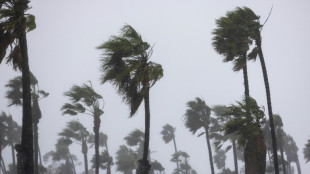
[[235, 156], [255, 155], [282, 160], [209, 150], [176, 150], [143, 165], [96, 131], [2, 165], [84, 151], [35, 139], [40, 157], [13, 159], [245, 80], [72, 163], [273, 133], [298, 166], [109, 164]]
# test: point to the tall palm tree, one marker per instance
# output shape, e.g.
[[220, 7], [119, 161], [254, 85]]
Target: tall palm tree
[[126, 65], [12, 136], [168, 135], [291, 151], [248, 23], [84, 100], [198, 116], [248, 129], [78, 133], [13, 27], [14, 95]]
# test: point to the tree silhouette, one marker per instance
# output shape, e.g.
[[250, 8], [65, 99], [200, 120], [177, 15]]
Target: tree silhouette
[[126, 65], [84, 100]]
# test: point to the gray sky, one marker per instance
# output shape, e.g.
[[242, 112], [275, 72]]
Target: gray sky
[[62, 53]]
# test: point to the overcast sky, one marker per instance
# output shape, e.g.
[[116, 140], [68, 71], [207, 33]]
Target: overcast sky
[[62, 53]]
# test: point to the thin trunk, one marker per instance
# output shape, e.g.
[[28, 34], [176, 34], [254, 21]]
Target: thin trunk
[[245, 80], [298, 166], [176, 150], [35, 142], [186, 164], [13, 158], [209, 150], [143, 164], [2, 165], [282, 160], [273, 133], [84, 151], [72, 163], [40, 157], [109, 163], [235, 156], [96, 131]]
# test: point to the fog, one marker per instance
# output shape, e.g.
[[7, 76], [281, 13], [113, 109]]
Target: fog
[[62, 52]]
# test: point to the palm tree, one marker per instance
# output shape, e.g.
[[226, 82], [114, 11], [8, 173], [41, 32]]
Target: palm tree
[[182, 158], [217, 132], [306, 151], [168, 135], [220, 159], [157, 168], [291, 151], [106, 161], [197, 116], [248, 129], [126, 65], [12, 135], [14, 95], [78, 133], [13, 27], [136, 138], [125, 160], [85, 100], [249, 24]]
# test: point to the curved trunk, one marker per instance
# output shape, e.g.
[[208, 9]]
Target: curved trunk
[[273, 133], [235, 156], [255, 155], [96, 131], [35, 142], [209, 150], [176, 150], [25, 150], [13, 159], [143, 164], [84, 151]]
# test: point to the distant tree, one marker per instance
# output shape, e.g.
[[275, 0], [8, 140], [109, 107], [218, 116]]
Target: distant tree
[[217, 132], [106, 161], [125, 160], [84, 100], [126, 64], [249, 132], [14, 23], [197, 116], [182, 158], [12, 135], [291, 151], [14, 95], [76, 132], [306, 151], [136, 139], [168, 135], [157, 168], [220, 159]]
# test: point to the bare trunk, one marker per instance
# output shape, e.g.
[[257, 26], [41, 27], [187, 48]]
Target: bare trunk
[[84, 151], [40, 157], [273, 133], [143, 164], [35, 139], [96, 131], [209, 150], [255, 155], [298, 166], [235, 156], [176, 150]]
